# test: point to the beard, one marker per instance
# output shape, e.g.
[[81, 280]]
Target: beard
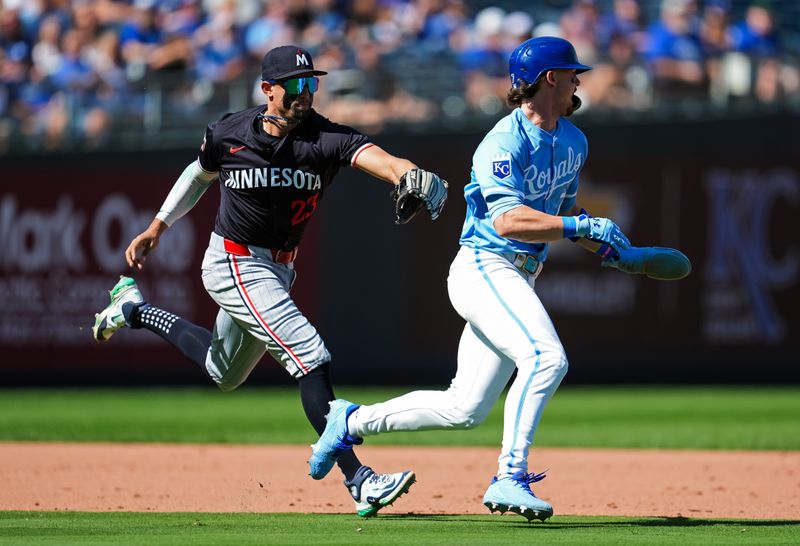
[[294, 113]]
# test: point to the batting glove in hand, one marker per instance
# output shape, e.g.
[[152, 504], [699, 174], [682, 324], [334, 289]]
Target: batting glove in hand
[[419, 188], [602, 230]]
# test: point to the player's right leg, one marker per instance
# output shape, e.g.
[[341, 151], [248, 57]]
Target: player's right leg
[[509, 313]]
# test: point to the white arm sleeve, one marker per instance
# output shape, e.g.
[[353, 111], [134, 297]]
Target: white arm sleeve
[[187, 191]]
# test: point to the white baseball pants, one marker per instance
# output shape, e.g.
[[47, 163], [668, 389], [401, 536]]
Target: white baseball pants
[[507, 329]]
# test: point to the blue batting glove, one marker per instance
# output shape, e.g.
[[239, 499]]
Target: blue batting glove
[[602, 230]]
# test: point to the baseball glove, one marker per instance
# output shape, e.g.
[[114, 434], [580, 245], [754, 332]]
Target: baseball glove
[[664, 264], [418, 188]]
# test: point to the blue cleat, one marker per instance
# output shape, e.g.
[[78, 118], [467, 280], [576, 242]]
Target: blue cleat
[[513, 493], [334, 440]]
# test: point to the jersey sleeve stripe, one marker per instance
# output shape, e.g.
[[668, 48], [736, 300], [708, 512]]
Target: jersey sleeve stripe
[[501, 207], [361, 149], [500, 190]]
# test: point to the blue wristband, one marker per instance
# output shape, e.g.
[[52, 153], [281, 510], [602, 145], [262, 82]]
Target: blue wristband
[[575, 226], [570, 226]]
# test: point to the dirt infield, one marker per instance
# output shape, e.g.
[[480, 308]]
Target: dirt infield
[[220, 478]]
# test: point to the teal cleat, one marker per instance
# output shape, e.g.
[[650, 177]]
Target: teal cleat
[[111, 319]]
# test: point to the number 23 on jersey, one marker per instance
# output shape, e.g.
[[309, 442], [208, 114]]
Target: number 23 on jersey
[[304, 209]]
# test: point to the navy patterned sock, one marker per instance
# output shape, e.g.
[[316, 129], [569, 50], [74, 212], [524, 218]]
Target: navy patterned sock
[[192, 340]]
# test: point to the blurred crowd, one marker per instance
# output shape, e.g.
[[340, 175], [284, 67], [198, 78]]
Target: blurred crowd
[[81, 70]]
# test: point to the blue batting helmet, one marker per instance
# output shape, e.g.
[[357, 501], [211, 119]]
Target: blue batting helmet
[[534, 57]]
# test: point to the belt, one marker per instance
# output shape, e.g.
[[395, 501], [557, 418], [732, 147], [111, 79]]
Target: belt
[[278, 256], [525, 263]]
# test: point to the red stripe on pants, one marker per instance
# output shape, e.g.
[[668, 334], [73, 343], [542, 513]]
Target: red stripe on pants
[[253, 309]]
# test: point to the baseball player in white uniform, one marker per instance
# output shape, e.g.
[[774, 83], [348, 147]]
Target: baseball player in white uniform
[[521, 196]]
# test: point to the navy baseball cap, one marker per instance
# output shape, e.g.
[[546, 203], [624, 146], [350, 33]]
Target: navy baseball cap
[[285, 62]]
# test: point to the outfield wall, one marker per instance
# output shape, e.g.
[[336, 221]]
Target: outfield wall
[[726, 193]]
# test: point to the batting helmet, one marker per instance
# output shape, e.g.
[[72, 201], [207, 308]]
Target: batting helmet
[[535, 56]]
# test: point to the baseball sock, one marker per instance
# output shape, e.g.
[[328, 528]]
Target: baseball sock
[[315, 393], [192, 340]]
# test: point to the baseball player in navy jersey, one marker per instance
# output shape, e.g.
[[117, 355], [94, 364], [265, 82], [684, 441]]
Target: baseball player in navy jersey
[[521, 195], [274, 164]]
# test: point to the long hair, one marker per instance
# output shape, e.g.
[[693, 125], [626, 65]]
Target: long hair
[[524, 93]]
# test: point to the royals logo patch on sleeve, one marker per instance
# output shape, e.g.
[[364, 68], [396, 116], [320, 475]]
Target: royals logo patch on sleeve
[[501, 166]]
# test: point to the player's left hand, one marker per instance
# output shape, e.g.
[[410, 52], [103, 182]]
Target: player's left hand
[[666, 264], [419, 188]]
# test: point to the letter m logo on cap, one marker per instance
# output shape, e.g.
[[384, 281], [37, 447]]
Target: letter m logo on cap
[[301, 59]]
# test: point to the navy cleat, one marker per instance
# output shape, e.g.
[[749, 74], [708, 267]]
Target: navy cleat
[[513, 493], [334, 439]]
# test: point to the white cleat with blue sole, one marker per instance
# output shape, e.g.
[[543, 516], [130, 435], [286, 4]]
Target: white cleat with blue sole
[[513, 493]]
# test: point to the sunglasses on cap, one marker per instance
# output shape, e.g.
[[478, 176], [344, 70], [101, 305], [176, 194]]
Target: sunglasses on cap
[[296, 86]]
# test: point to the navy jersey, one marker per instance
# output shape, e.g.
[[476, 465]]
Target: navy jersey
[[271, 186]]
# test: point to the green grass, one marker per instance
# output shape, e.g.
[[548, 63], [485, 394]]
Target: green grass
[[663, 417], [69, 528], [716, 418]]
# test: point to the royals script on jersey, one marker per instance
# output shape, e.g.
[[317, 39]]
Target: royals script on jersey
[[517, 163], [270, 186]]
